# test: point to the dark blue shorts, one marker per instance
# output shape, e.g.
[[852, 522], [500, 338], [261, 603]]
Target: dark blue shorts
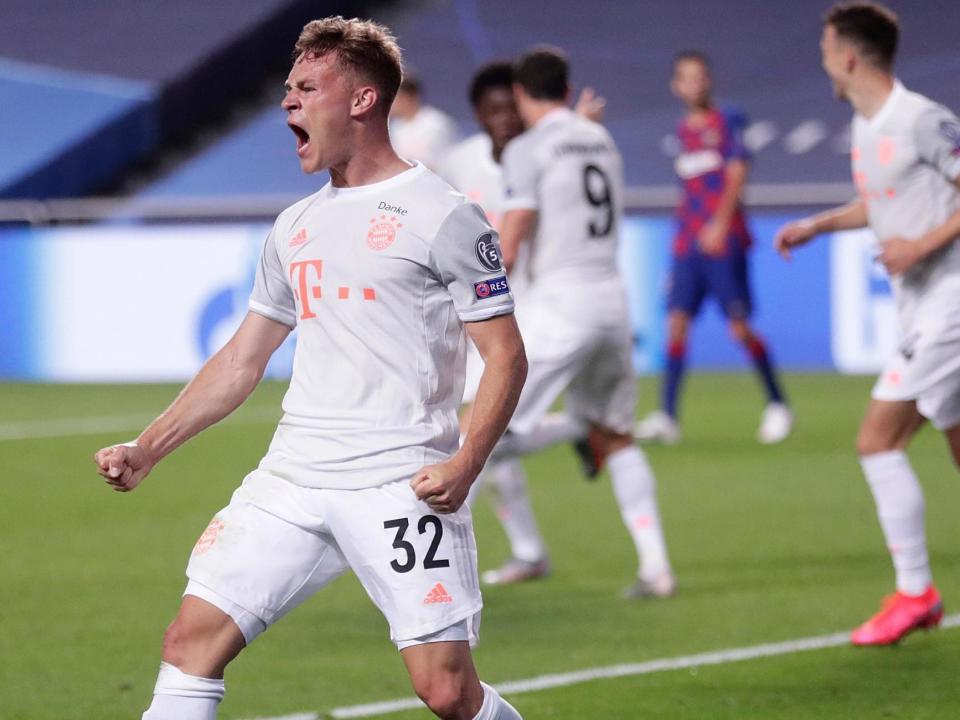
[[694, 277]]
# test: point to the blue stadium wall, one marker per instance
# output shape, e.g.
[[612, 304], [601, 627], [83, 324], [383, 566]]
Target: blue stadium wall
[[118, 303]]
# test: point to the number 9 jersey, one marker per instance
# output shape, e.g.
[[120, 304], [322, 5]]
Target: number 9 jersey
[[569, 170]]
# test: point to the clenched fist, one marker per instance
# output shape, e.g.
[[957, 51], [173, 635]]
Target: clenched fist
[[123, 466]]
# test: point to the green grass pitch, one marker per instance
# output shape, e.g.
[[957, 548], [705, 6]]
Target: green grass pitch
[[769, 544]]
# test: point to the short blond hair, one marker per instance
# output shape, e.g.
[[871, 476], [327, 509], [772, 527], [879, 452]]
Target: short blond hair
[[364, 47]]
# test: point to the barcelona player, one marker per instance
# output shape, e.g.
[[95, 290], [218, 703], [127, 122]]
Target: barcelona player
[[710, 248]]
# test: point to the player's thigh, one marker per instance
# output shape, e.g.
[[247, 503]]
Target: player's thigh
[[419, 567], [888, 425], [259, 557], [556, 353], [953, 441], [728, 279], [686, 287], [604, 393]]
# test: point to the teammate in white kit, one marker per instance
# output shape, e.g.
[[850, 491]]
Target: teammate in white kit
[[906, 166], [473, 167], [564, 190], [379, 272], [419, 131]]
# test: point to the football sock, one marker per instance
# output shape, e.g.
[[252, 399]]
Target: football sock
[[495, 707], [636, 492], [764, 367], [673, 377], [514, 510], [178, 696], [900, 507], [551, 429]]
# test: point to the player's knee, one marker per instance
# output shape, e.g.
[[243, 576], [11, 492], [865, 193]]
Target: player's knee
[[870, 442], [444, 693], [176, 643], [740, 331]]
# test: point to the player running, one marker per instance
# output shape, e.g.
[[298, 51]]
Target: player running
[[906, 166], [564, 189], [710, 248], [379, 272]]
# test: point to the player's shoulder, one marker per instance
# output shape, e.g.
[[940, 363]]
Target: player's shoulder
[[291, 215], [732, 115], [433, 202]]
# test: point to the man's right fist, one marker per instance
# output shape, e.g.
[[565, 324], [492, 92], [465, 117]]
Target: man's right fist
[[123, 466]]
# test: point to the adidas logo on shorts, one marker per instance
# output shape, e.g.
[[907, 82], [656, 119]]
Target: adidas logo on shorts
[[439, 594]]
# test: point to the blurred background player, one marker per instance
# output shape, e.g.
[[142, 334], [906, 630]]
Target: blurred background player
[[473, 167], [419, 131], [710, 248], [906, 165], [564, 195]]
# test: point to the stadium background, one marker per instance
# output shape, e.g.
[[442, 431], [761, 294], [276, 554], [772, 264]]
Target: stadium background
[[144, 156]]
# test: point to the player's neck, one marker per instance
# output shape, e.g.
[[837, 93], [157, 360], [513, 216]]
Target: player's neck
[[870, 94], [374, 161], [697, 113], [539, 109]]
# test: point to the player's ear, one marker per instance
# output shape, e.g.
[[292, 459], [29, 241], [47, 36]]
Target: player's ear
[[365, 99]]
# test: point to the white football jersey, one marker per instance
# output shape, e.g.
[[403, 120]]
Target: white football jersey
[[425, 137], [569, 170], [469, 166], [378, 280], [905, 160]]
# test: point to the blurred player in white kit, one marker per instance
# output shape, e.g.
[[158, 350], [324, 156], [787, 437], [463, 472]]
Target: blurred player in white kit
[[379, 272], [419, 131], [564, 189], [906, 165], [473, 167]]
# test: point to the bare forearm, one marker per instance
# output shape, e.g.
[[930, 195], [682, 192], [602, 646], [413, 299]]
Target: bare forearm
[[219, 388], [851, 216], [735, 179], [497, 396]]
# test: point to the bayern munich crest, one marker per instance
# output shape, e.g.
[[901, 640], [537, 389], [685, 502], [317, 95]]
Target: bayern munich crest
[[382, 232]]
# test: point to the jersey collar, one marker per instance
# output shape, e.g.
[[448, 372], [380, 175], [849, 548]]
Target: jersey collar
[[889, 105]]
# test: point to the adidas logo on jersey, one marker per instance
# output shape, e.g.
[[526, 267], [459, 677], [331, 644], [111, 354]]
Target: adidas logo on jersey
[[299, 239], [439, 594]]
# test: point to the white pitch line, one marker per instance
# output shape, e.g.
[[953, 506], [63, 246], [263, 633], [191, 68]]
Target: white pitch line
[[72, 427], [544, 682]]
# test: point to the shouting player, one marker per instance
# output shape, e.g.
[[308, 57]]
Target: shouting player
[[564, 189], [710, 248], [379, 271], [906, 166]]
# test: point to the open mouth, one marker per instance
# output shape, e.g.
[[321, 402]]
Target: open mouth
[[303, 138]]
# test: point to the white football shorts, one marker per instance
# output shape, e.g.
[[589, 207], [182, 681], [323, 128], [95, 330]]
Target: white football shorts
[[277, 543], [926, 368], [590, 363]]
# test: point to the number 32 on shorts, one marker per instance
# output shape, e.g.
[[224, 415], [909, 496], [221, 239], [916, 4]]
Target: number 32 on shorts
[[430, 561]]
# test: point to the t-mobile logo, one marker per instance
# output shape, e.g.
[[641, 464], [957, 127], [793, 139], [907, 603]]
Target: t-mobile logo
[[305, 277]]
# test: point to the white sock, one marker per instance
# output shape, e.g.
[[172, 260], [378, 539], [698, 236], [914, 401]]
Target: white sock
[[901, 509], [551, 429], [495, 707], [512, 505], [178, 696], [636, 492]]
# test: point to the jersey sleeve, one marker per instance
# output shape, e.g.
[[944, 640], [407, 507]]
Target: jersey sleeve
[[520, 176], [272, 294], [466, 258], [734, 147], [938, 140]]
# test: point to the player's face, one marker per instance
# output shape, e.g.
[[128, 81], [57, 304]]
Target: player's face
[[691, 83], [318, 102], [497, 114], [835, 58]]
